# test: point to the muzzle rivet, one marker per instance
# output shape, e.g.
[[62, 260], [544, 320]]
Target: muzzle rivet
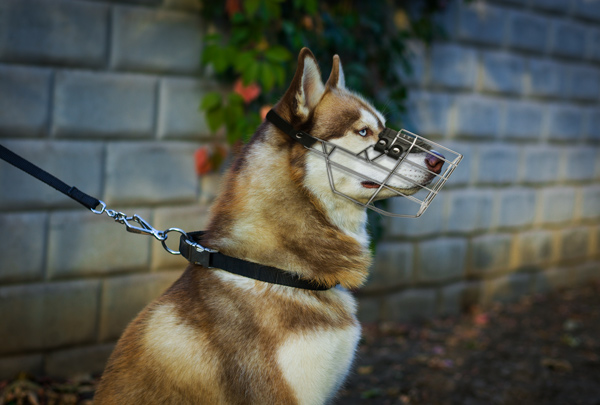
[[396, 150]]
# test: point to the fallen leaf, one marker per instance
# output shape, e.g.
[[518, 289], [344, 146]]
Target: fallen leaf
[[570, 340], [365, 370], [571, 324], [372, 393], [557, 364]]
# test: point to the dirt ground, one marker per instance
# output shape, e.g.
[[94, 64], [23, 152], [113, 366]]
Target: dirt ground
[[541, 350]]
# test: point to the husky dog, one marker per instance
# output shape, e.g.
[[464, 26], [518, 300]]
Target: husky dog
[[218, 338]]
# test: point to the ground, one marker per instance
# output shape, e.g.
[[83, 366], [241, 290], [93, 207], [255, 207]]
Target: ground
[[541, 350]]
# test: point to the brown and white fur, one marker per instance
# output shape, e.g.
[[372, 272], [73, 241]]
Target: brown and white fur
[[218, 338]]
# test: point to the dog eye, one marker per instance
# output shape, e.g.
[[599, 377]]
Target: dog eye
[[363, 132]]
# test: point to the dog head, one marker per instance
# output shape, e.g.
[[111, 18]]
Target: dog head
[[349, 127]]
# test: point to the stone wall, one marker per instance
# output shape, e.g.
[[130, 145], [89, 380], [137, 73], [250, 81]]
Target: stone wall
[[515, 87], [104, 95]]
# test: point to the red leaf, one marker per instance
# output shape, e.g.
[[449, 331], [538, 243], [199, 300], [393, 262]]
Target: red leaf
[[249, 92], [232, 7], [264, 110], [202, 160]]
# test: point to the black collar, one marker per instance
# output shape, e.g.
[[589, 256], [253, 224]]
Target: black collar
[[191, 249]]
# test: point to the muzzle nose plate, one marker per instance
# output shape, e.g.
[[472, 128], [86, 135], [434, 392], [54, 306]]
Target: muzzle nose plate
[[394, 143]]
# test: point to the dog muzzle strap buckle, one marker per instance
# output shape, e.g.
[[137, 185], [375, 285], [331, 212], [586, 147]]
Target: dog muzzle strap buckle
[[399, 164], [298, 136]]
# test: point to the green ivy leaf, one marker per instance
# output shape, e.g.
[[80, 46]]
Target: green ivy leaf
[[267, 77], [235, 130], [251, 7], [232, 135], [273, 9], [238, 18], [215, 118], [214, 37], [278, 54], [211, 101], [251, 73], [234, 110], [209, 53], [240, 35], [278, 74], [219, 57], [311, 6], [243, 60], [235, 98], [252, 121]]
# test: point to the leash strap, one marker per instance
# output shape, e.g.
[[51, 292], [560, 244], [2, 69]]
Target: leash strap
[[42, 175], [191, 249]]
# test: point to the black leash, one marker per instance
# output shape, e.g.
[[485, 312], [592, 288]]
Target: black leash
[[42, 175], [188, 246]]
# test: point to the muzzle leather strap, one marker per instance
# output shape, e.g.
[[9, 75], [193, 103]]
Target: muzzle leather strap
[[298, 136], [191, 249], [391, 142]]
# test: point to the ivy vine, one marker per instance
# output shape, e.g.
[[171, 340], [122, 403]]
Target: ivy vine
[[252, 47]]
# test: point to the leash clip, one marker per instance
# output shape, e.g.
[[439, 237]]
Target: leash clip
[[101, 210], [144, 229]]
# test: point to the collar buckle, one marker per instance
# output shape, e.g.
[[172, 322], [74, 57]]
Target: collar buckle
[[202, 254]]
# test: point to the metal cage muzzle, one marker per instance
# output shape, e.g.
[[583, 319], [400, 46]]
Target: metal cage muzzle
[[392, 167]]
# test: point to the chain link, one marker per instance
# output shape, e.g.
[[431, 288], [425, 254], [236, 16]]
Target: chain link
[[137, 224]]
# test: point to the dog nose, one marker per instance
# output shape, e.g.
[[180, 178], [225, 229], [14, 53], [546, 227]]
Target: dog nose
[[434, 161]]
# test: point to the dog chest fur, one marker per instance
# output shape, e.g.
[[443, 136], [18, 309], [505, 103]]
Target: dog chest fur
[[218, 338], [315, 363]]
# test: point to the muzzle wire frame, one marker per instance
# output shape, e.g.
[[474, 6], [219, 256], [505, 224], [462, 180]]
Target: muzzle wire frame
[[412, 143]]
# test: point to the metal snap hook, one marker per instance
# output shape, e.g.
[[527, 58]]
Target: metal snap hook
[[102, 208]]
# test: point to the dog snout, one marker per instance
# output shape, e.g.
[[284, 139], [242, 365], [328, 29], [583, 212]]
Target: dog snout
[[434, 161]]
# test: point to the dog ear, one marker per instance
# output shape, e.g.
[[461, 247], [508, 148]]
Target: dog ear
[[306, 88], [336, 78]]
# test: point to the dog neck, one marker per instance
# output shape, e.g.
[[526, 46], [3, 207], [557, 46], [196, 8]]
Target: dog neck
[[266, 215], [346, 215]]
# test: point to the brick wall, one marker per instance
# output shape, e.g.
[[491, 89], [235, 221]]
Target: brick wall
[[516, 88], [104, 95]]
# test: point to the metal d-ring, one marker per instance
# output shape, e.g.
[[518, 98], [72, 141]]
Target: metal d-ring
[[164, 233]]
